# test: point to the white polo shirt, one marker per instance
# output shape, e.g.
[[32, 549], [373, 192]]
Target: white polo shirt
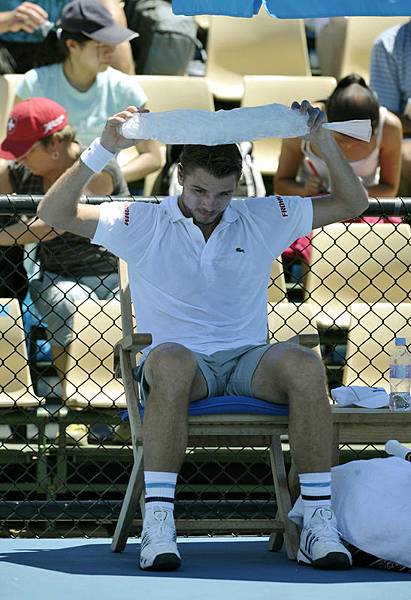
[[207, 296]]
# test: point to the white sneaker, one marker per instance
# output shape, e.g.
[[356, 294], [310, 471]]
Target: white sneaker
[[320, 543], [158, 550]]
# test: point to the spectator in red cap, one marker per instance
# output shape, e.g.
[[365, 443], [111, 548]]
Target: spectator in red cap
[[82, 80], [41, 145]]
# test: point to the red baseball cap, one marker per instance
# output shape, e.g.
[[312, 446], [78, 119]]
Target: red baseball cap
[[30, 121]]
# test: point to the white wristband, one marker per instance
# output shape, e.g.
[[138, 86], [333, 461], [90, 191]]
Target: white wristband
[[95, 157]]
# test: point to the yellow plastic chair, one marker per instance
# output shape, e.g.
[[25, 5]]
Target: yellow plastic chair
[[266, 89], [258, 46]]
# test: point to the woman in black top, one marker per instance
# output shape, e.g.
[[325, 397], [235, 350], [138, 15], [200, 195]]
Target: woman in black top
[[44, 146]]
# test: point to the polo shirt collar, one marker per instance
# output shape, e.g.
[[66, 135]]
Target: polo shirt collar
[[171, 205]]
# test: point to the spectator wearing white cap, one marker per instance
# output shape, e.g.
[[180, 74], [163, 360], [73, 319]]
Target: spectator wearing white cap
[[83, 82]]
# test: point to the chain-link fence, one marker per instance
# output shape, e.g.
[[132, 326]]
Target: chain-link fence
[[65, 448]]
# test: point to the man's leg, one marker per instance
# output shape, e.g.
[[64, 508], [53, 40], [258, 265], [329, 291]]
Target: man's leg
[[174, 379], [405, 183], [295, 375]]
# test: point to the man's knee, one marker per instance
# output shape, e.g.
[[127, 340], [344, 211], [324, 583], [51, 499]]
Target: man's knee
[[298, 363], [170, 361]]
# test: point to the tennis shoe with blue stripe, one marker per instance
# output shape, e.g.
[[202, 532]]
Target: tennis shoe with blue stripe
[[320, 543], [158, 549]]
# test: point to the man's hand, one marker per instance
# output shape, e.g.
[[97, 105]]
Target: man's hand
[[313, 186], [316, 117], [111, 138], [26, 17]]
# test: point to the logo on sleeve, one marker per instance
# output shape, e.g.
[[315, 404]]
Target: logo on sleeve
[[283, 208], [11, 125], [126, 214]]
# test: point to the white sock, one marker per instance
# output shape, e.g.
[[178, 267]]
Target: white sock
[[160, 489], [395, 448], [315, 492]]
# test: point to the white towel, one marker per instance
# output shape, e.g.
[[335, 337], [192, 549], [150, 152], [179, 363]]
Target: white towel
[[357, 395], [372, 503], [230, 126]]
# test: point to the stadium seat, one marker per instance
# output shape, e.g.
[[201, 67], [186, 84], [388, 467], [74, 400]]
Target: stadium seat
[[277, 291], [371, 334], [357, 262], [89, 380], [266, 89], [170, 92], [349, 42], [241, 428], [8, 84], [167, 92], [258, 46], [16, 386]]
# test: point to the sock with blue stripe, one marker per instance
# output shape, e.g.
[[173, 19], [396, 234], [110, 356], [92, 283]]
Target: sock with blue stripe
[[315, 492], [160, 489]]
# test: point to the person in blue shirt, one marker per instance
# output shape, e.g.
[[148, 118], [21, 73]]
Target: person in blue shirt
[[24, 27], [390, 78], [82, 80]]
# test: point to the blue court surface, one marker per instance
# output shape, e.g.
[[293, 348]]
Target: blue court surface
[[217, 568]]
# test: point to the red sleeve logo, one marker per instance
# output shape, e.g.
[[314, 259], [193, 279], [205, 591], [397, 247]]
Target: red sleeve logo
[[126, 214]]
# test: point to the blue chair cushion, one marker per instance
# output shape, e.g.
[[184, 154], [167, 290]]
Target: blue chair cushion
[[229, 405]]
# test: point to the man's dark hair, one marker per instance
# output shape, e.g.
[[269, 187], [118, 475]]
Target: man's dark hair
[[220, 161], [353, 99]]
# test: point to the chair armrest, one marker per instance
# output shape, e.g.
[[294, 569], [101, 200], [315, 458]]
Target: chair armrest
[[309, 340], [133, 343]]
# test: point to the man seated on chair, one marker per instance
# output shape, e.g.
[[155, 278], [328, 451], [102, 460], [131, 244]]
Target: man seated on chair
[[199, 266]]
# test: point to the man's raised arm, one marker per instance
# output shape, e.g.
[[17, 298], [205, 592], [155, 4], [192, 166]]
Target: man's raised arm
[[60, 206], [348, 198]]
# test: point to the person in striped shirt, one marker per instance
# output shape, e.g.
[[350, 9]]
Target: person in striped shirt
[[390, 78]]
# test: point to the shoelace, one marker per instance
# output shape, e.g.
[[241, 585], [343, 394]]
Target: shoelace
[[326, 530], [156, 530]]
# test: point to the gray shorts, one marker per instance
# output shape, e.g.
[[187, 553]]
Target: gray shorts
[[227, 372]]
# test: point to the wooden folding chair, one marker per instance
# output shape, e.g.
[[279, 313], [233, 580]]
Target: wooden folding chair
[[238, 430]]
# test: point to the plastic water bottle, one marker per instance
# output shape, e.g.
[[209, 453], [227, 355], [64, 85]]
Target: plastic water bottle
[[400, 374]]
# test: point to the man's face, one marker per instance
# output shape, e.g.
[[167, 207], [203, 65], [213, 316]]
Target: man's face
[[204, 196]]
